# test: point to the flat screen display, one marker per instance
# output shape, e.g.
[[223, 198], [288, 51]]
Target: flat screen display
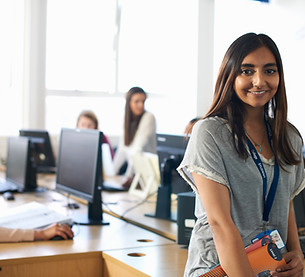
[[42, 151], [79, 169], [172, 146], [17, 158], [20, 169]]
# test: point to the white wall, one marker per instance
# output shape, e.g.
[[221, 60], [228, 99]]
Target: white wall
[[34, 64], [291, 37]]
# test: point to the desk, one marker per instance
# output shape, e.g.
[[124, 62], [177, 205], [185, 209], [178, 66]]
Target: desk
[[95, 250], [171, 259], [132, 209], [129, 207], [117, 203]]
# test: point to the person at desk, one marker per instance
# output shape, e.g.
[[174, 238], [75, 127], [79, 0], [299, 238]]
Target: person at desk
[[18, 235], [88, 120], [244, 161], [139, 132]]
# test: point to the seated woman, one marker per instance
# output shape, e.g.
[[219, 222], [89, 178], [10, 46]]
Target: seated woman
[[139, 132], [18, 235], [88, 120]]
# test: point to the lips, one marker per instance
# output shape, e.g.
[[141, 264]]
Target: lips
[[258, 92]]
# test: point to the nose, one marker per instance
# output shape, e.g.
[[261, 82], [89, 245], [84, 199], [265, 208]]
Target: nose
[[141, 105], [258, 79]]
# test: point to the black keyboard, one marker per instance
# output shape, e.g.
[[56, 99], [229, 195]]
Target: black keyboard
[[112, 186]]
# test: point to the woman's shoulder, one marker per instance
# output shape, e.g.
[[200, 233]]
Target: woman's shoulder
[[211, 124], [148, 116], [294, 134]]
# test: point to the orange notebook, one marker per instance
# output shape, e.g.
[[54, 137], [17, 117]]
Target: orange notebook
[[263, 261]]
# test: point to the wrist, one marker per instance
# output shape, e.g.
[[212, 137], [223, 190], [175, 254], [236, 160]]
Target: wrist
[[38, 235], [299, 251], [301, 254]]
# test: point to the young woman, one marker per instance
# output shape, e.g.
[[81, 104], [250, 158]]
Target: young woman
[[139, 131], [88, 120], [18, 235], [234, 189]]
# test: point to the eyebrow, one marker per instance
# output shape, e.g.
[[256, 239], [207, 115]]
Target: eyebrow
[[252, 65]]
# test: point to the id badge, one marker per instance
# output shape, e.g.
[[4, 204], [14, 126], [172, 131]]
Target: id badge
[[274, 235]]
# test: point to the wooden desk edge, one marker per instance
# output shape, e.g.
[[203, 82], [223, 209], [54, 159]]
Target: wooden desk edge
[[55, 257], [110, 262], [151, 229]]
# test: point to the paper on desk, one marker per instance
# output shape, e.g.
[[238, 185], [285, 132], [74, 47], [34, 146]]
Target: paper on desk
[[31, 216]]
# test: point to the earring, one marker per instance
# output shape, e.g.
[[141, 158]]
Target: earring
[[271, 107]]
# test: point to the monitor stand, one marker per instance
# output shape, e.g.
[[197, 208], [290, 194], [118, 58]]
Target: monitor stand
[[163, 208], [82, 219], [94, 216], [164, 198]]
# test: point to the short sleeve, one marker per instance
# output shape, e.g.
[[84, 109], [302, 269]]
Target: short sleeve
[[296, 141], [204, 152]]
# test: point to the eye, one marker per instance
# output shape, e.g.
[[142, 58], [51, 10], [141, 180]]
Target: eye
[[271, 71], [246, 71]]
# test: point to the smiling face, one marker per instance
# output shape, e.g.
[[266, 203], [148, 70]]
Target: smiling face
[[136, 103], [258, 79]]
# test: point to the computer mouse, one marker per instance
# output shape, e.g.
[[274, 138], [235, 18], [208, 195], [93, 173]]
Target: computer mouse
[[57, 237], [73, 206], [8, 195]]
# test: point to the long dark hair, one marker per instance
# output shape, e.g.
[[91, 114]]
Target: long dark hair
[[131, 122], [227, 105]]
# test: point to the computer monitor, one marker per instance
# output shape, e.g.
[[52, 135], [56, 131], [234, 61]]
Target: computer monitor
[[79, 171], [41, 150], [170, 149], [20, 169]]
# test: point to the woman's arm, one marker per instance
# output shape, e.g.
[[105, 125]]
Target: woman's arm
[[15, 235], [228, 242], [120, 156], [146, 129], [18, 235], [294, 258]]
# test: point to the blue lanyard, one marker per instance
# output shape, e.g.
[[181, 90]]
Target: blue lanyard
[[268, 199]]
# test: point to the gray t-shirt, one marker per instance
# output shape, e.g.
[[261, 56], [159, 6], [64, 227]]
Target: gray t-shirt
[[210, 152]]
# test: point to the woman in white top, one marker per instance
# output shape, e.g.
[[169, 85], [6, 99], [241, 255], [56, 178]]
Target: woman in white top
[[139, 131]]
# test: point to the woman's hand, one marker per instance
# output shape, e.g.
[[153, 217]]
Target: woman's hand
[[56, 229], [294, 265]]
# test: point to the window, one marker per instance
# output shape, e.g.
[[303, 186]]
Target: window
[[97, 50], [158, 46], [80, 37]]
